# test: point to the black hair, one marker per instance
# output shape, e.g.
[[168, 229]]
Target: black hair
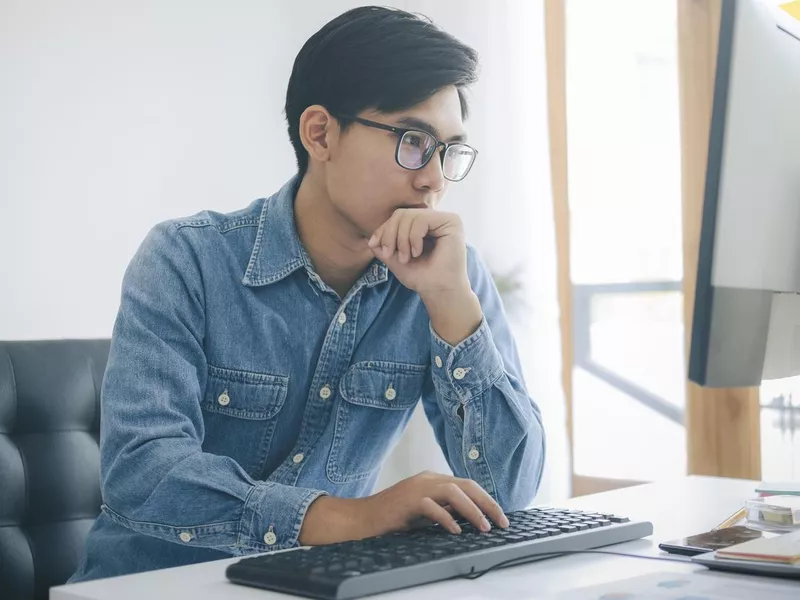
[[375, 58]]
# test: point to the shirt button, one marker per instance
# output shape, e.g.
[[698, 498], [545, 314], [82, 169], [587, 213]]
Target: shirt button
[[325, 393], [438, 361], [460, 373], [224, 399], [342, 318], [390, 394], [473, 453], [298, 458], [270, 538], [185, 536]]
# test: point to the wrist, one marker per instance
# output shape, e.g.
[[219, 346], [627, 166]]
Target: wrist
[[454, 315], [444, 297], [330, 520]]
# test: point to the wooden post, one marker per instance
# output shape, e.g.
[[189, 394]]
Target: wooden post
[[555, 50]]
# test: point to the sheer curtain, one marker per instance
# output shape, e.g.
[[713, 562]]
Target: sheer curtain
[[507, 207]]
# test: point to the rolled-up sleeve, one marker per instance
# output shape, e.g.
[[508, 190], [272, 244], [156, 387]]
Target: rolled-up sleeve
[[487, 425]]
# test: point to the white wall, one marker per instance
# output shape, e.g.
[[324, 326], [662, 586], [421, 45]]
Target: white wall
[[117, 115]]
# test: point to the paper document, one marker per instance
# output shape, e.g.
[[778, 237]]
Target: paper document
[[703, 585]]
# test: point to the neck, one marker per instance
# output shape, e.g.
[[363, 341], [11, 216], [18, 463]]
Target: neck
[[337, 249]]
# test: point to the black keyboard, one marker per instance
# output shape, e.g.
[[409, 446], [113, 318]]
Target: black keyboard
[[405, 559]]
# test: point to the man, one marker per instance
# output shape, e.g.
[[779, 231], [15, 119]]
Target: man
[[264, 362]]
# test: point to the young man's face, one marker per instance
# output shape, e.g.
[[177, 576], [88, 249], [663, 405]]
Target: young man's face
[[365, 182]]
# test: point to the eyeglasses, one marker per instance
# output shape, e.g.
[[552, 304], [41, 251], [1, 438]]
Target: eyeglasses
[[416, 148]]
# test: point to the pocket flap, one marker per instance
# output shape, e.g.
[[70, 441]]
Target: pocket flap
[[244, 394], [388, 385]]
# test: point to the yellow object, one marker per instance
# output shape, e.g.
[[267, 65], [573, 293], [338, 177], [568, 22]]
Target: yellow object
[[733, 519], [793, 8]]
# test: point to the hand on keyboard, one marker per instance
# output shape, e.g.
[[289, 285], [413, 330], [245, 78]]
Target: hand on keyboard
[[422, 499]]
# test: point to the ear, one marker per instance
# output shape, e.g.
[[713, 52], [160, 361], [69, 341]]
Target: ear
[[319, 132]]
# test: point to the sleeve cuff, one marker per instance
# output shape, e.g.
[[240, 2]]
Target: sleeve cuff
[[273, 515], [465, 371]]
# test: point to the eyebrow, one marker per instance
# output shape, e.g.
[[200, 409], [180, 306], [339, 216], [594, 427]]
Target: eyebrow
[[416, 123]]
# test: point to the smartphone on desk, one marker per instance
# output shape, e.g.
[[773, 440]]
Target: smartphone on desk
[[711, 540]]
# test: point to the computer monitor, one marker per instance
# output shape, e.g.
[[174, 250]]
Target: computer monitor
[[746, 324]]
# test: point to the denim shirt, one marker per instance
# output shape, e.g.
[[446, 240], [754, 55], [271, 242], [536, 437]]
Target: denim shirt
[[240, 388]]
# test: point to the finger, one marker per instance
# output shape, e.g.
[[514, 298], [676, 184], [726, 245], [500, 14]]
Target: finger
[[419, 229], [441, 223], [437, 514], [374, 241], [403, 241], [483, 500], [452, 494], [389, 236]]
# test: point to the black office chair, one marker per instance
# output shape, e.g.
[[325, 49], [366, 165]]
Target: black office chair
[[49, 460]]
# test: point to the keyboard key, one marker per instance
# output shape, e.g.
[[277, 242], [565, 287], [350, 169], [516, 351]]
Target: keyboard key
[[568, 528], [615, 519], [540, 533]]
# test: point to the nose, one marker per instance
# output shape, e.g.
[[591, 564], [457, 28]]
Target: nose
[[431, 176]]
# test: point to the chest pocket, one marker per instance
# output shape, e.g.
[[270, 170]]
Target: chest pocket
[[240, 409], [376, 401]]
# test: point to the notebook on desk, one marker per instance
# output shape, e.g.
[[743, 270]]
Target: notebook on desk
[[773, 557], [783, 549]]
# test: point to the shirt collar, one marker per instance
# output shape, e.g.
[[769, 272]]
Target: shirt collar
[[277, 251]]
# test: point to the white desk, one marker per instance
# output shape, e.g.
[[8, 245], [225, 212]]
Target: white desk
[[710, 499]]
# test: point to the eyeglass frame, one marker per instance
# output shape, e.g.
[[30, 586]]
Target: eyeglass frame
[[401, 131]]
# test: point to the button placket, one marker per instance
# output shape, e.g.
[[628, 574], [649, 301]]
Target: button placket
[[337, 350]]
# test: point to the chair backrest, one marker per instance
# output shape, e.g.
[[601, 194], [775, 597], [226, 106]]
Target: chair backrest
[[49, 460]]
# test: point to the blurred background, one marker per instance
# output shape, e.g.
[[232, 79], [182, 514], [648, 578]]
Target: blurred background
[[117, 115]]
